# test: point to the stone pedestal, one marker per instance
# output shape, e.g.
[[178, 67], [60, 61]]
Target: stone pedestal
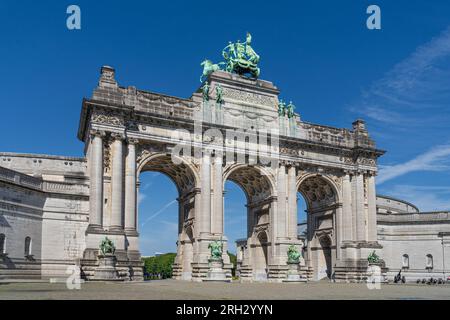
[[216, 273], [376, 273], [293, 275], [106, 270]]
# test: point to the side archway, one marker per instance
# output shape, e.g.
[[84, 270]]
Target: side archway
[[258, 186], [184, 175], [321, 195]]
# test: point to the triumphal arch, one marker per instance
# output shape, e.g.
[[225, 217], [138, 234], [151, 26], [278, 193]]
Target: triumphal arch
[[235, 127]]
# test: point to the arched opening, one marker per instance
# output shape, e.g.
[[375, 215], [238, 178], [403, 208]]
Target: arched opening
[[302, 222], [405, 261], [166, 209], [429, 262], [27, 250], [261, 257], [320, 199], [2, 243], [324, 263], [235, 222], [253, 250]]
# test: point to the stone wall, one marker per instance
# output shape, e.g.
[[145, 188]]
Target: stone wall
[[409, 236], [44, 198]]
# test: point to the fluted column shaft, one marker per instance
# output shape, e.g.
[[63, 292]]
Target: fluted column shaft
[[130, 188], [359, 209], [96, 181], [292, 201], [347, 217], [372, 206], [282, 208], [218, 196], [205, 220], [117, 184]]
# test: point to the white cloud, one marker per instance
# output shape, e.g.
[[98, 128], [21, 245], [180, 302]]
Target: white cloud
[[426, 198], [408, 92], [141, 197], [161, 210], [436, 159]]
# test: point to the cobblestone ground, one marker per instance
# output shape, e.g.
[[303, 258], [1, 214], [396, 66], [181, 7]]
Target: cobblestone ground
[[173, 290]]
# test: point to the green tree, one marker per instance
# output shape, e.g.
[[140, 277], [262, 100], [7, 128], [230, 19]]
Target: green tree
[[233, 261], [159, 266]]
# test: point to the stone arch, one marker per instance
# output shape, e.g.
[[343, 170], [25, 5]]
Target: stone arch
[[186, 179], [247, 177], [322, 197], [184, 174], [261, 255], [326, 189], [259, 188], [325, 264]]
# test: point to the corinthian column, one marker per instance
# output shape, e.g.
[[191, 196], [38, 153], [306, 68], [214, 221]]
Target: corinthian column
[[292, 201], [117, 183], [218, 196], [372, 207], [282, 212], [130, 188], [96, 180], [205, 219], [359, 207], [347, 218]]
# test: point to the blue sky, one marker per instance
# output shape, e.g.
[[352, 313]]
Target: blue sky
[[319, 53]]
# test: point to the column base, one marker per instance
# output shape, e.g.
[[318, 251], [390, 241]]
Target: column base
[[94, 228]]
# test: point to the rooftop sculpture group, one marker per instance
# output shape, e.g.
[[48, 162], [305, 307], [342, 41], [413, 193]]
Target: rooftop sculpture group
[[240, 58]]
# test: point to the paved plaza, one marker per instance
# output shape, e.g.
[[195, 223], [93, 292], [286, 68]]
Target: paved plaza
[[174, 290]]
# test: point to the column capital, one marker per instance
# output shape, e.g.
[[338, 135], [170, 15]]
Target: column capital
[[118, 136], [371, 173], [97, 133], [348, 172], [132, 141]]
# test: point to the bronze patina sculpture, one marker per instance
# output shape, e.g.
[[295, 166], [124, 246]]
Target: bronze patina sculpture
[[290, 110], [373, 258], [219, 94], [216, 250], [281, 108], [293, 254], [205, 92], [241, 58], [107, 247], [208, 68]]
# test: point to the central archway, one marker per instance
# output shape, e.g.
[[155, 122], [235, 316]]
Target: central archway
[[186, 180], [321, 197], [254, 251]]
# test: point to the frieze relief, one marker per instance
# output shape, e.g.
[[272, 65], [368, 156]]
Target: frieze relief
[[147, 98], [109, 119], [249, 97]]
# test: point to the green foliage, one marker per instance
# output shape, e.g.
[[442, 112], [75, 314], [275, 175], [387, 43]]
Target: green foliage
[[233, 260], [373, 258], [159, 267]]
